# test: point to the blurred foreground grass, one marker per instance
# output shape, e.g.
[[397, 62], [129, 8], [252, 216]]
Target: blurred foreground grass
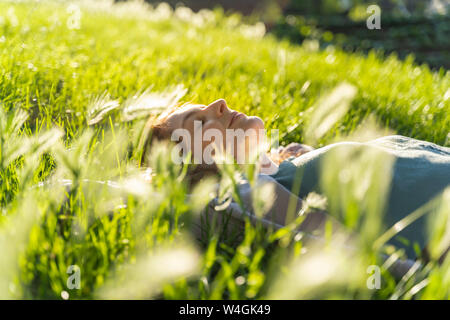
[[63, 64]]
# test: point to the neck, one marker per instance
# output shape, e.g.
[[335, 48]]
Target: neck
[[267, 165]]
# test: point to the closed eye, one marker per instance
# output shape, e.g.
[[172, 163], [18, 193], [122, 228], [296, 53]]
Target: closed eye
[[198, 119], [188, 116], [201, 119]]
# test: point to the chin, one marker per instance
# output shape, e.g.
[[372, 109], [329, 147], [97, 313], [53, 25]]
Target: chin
[[254, 123]]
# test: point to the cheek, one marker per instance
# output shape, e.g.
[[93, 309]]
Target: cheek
[[213, 132]]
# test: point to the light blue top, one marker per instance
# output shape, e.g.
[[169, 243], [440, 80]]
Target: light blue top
[[421, 171]]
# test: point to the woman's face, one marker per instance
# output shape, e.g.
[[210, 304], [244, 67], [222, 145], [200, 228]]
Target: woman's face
[[205, 124]]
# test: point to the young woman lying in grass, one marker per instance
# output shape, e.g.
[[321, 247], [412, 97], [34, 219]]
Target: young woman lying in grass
[[420, 170]]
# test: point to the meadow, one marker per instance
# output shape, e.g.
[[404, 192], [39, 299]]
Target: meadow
[[78, 81]]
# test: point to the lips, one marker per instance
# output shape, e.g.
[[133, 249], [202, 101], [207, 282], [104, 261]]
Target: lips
[[234, 116]]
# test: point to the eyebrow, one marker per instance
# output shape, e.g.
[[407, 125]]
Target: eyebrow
[[190, 113]]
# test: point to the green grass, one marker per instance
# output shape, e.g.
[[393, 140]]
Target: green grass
[[53, 74]]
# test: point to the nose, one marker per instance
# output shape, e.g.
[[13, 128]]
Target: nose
[[219, 107]]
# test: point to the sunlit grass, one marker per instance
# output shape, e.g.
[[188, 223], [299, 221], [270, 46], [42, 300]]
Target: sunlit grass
[[74, 99]]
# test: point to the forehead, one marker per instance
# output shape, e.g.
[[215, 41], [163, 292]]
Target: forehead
[[187, 108], [176, 119]]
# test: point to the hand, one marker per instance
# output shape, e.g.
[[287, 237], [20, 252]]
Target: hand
[[293, 150]]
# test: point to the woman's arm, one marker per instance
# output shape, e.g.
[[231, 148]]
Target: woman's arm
[[287, 207]]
